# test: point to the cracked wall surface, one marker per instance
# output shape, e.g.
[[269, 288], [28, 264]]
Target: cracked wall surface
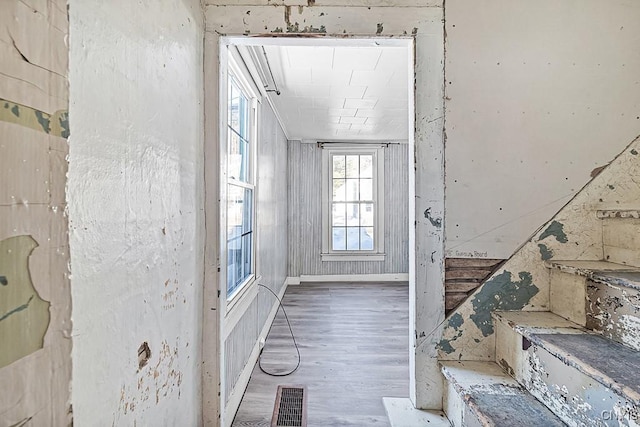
[[35, 298]]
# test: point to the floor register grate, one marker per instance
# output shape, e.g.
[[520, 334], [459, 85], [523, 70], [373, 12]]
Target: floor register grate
[[290, 409]]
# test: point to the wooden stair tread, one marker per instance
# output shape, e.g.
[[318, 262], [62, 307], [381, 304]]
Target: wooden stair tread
[[601, 271], [607, 362], [496, 399]]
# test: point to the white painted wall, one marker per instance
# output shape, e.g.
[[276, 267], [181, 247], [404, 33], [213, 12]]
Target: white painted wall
[[538, 95], [135, 203]]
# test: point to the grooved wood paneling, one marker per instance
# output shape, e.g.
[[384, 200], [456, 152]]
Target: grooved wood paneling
[[305, 215], [463, 276]]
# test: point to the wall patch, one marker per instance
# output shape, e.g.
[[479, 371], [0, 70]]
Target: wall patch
[[24, 316]]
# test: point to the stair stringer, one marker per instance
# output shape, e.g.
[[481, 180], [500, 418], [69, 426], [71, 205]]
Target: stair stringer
[[522, 283]]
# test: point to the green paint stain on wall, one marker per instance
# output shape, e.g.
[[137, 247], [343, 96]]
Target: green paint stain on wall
[[56, 124], [545, 252], [454, 322], [24, 316], [43, 120], [555, 229], [18, 309], [501, 293], [445, 345]]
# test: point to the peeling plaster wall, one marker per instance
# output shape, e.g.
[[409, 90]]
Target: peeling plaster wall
[[305, 215], [35, 297], [135, 195], [538, 95], [522, 283]]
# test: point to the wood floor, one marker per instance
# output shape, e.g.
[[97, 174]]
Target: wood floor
[[353, 339]]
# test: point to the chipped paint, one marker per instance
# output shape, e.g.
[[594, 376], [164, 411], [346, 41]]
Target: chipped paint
[[454, 322], [56, 124], [24, 315], [555, 229], [501, 293], [614, 311], [436, 222], [545, 252]]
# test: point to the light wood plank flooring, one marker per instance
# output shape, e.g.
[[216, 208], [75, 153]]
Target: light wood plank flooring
[[353, 339]]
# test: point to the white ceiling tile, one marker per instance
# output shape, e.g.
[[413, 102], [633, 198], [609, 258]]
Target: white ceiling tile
[[371, 77], [328, 102], [347, 91], [309, 90], [368, 103], [341, 92], [353, 120], [356, 58], [309, 56], [330, 76], [343, 112]]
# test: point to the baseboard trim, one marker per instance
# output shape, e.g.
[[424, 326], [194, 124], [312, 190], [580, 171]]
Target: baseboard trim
[[387, 277], [243, 381]]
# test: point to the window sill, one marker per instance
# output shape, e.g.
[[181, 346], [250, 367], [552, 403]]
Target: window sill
[[239, 303], [352, 257]]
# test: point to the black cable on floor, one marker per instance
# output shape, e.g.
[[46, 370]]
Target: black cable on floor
[[292, 337]]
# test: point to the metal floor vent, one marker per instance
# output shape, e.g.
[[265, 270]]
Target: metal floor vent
[[290, 409]]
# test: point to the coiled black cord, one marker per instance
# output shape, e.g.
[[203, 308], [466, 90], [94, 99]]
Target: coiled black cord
[[292, 337]]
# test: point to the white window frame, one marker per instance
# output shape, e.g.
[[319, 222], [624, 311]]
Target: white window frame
[[377, 254], [246, 290]]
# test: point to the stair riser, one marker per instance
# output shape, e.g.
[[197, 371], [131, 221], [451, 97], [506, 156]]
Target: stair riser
[[458, 412], [572, 395], [611, 310], [621, 240], [568, 296], [453, 405], [614, 312]]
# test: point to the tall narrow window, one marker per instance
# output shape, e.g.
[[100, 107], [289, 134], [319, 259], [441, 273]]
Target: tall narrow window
[[353, 211], [240, 183]]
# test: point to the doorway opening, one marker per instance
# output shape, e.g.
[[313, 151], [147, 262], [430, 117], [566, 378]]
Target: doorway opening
[[345, 111]]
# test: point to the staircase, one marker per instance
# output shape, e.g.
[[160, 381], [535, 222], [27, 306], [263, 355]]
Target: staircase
[[559, 344]]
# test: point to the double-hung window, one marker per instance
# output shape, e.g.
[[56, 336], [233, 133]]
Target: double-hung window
[[353, 203], [241, 140]]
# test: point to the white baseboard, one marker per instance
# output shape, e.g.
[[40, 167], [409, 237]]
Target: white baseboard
[[387, 277], [243, 381], [293, 280]]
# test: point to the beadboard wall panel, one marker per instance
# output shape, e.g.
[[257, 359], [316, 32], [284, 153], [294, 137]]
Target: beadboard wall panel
[[305, 215]]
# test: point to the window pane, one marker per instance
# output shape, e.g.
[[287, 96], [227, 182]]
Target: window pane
[[235, 205], [353, 238], [338, 216], [366, 189], [366, 166], [352, 192], [339, 190], [338, 166], [234, 107], [339, 242], [366, 238], [366, 214], [239, 235], [247, 217], [353, 214], [352, 167], [243, 128], [235, 159]]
